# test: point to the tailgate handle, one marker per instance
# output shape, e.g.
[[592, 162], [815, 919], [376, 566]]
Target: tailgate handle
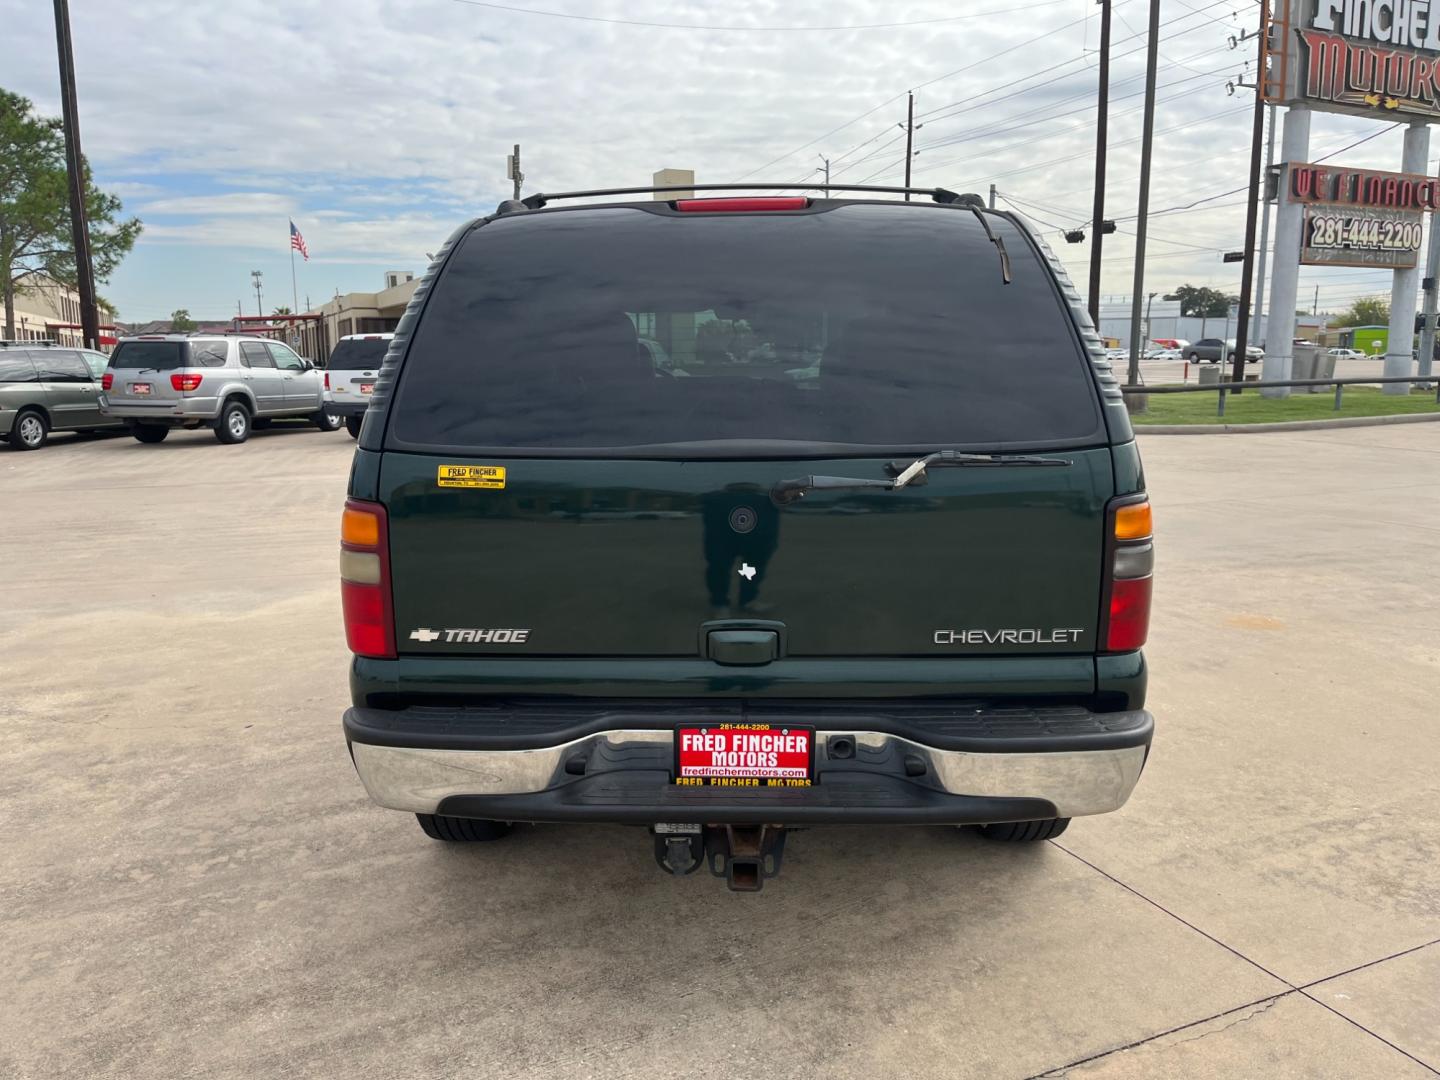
[[742, 646]]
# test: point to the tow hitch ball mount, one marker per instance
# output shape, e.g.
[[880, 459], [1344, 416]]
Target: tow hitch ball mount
[[744, 855]]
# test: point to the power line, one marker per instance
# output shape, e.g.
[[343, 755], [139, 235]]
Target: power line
[[969, 102], [1085, 153], [753, 29], [1009, 86], [897, 97]]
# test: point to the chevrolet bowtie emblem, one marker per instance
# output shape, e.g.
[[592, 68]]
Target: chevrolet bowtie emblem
[[424, 634]]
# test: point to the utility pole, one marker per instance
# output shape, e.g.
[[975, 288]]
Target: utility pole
[[1138, 403], [255, 276], [909, 139], [512, 169], [1315, 307], [1252, 206], [1102, 120], [826, 160], [75, 173], [992, 196]]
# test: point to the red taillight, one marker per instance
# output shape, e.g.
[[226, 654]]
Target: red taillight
[[742, 206], [107, 380], [186, 383], [327, 380], [365, 580], [1131, 554], [1129, 621]]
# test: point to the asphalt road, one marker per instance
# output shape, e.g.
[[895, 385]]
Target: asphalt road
[[193, 884]]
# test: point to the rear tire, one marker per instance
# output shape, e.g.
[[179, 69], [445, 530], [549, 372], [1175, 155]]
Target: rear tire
[[29, 431], [234, 424], [1025, 832], [352, 425], [150, 433], [456, 830], [327, 421]]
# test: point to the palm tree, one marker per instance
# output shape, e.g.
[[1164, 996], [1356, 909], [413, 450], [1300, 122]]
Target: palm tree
[[282, 311]]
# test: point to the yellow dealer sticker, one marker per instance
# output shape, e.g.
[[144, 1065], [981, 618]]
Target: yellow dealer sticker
[[471, 476]]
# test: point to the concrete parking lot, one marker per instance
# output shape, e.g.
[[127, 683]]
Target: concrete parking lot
[[192, 882]]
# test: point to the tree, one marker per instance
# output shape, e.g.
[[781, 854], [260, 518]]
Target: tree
[[1200, 301], [35, 234], [1366, 311], [180, 321], [281, 311]]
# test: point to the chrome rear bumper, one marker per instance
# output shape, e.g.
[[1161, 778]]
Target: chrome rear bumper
[[1075, 782]]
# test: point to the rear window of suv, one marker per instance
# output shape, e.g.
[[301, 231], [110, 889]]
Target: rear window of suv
[[354, 355], [625, 331], [155, 355]]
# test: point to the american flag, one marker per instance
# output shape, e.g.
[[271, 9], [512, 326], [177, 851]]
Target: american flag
[[298, 242]]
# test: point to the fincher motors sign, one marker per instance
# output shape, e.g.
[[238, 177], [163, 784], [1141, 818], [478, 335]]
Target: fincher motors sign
[[1365, 56]]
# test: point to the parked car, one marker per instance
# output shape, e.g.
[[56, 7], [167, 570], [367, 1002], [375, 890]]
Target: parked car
[[922, 581], [1164, 354], [1346, 354], [49, 388], [162, 381], [1210, 349], [350, 375]]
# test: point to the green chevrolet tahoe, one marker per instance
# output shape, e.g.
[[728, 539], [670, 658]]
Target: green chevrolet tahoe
[[727, 515]]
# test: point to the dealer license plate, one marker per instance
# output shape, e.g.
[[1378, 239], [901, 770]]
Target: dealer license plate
[[367, 388], [141, 388], [744, 755]]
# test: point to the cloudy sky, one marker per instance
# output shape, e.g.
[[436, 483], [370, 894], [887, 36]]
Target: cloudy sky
[[380, 125]]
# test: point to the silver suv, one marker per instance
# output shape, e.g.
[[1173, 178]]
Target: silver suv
[[231, 384], [47, 388]]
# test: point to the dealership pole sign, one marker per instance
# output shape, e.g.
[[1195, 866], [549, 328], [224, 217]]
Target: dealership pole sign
[[1361, 217], [1365, 57]]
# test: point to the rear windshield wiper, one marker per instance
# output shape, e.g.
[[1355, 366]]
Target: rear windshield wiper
[[789, 491], [915, 471]]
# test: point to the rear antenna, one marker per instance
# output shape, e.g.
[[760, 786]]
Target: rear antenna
[[979, 212]]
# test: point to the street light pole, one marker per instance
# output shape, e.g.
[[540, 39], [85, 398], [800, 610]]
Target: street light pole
[[1102, 118], [75, 173]]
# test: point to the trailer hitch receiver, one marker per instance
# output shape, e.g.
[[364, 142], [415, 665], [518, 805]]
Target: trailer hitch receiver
[[745, 855]]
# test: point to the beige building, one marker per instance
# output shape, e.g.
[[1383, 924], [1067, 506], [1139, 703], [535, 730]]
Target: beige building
[[45, 310], [357, 313]]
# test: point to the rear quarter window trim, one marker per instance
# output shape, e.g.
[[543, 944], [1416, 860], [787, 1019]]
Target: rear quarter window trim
[[393, 371]]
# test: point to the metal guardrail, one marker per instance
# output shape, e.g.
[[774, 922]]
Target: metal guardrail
[[1339, 384]]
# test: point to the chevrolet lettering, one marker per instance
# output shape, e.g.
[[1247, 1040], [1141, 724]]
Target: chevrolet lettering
[[1008, 637], [777, 510]]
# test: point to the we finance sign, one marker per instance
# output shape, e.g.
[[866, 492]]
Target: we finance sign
[[1373, 57]]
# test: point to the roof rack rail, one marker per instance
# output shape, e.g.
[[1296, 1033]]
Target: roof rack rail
[[535, 202]]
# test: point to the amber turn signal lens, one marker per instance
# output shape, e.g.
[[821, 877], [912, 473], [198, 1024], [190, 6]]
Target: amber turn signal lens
[[1132, 522], [360, 528]]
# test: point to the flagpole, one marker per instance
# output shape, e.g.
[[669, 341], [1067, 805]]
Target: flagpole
[[294, 289]]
